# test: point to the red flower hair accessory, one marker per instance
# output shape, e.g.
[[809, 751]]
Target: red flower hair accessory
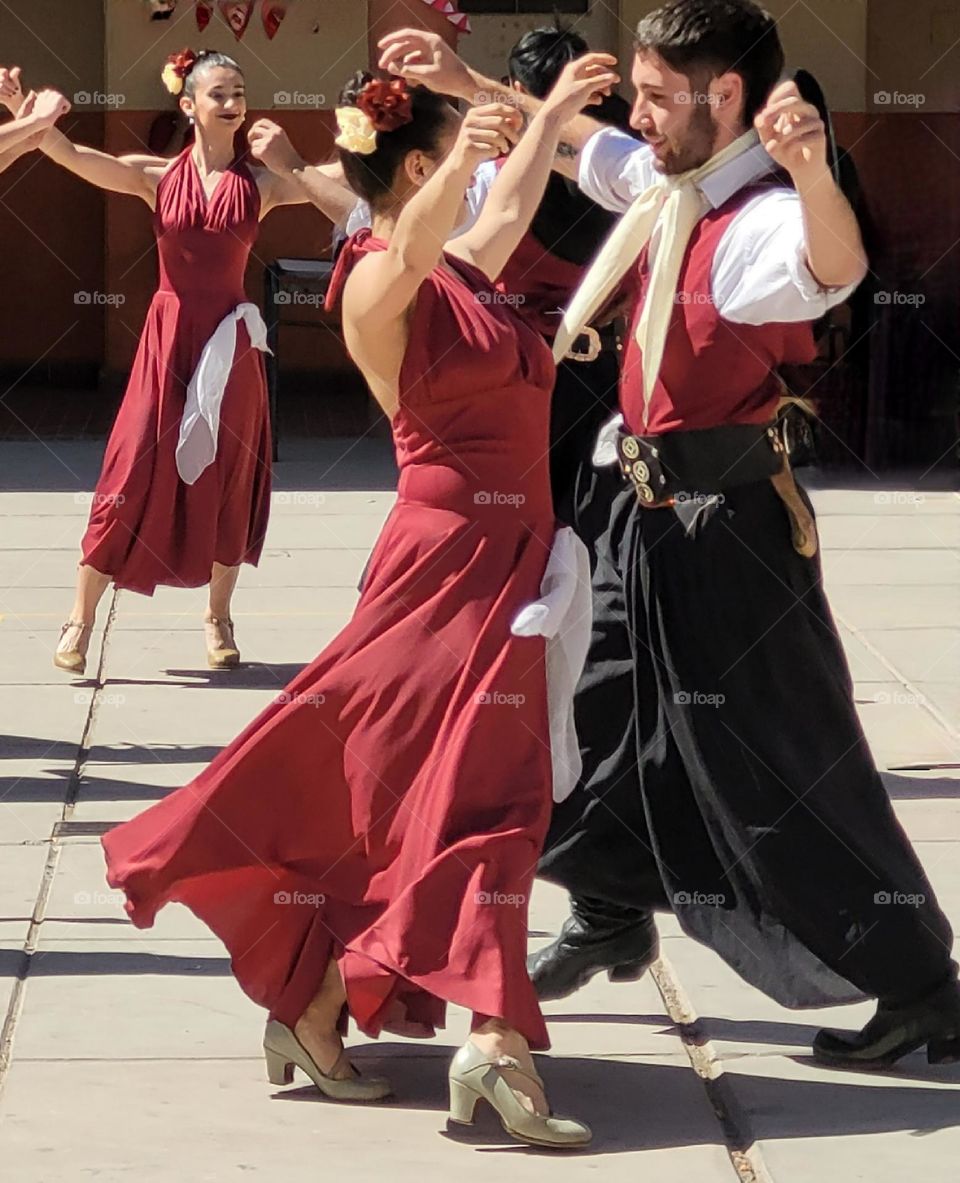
[[177, 68], [388, 105]]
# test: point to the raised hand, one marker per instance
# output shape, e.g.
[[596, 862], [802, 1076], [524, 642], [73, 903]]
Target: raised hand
[[486, 133], [49, 106], [581, 83], [269, 144], [792, 131], [425, 59], [11, 89]]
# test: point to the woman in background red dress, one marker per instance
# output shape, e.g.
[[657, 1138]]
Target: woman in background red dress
[[183, 496], [370, 840]]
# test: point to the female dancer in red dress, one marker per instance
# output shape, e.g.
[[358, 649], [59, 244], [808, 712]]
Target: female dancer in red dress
[[370, 840], [184, 493]]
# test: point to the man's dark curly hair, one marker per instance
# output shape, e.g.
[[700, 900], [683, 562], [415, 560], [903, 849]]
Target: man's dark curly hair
[[706, 38]]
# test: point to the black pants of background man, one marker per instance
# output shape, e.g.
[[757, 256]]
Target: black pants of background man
[[584, 397], [726, 776]]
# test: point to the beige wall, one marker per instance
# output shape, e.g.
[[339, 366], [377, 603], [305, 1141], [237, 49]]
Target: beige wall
[[53, 51], [914, 49], [319, 45], [494, 36]]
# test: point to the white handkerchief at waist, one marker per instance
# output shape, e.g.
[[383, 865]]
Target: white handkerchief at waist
[[563, 615], [200, 425], [605, 449]]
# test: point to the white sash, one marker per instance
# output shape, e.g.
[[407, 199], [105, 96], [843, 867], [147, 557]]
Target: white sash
[[200, 425], [563, 615]]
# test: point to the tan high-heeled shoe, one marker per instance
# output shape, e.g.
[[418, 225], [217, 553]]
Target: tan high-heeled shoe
[[221, 657], [74, 661], [283, 1050], [475, 1075]]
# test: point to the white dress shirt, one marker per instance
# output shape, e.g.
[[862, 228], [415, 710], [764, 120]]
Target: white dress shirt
[[476, 195], [760, 273]]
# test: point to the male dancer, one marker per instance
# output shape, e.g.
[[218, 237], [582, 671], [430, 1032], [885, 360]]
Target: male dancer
[[727, 774]]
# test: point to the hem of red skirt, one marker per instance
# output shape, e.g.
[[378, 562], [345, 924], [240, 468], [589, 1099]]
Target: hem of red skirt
[[147, 589]]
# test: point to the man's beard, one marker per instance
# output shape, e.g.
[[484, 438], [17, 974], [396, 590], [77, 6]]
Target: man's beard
[[697, 146]]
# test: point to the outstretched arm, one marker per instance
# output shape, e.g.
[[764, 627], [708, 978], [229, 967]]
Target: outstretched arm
[[135, 174], [291, 181], [425, 58], [37, 114], [517, 191]]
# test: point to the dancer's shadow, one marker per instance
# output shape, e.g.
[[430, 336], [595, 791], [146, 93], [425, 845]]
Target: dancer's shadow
[[635, 1106], [903, 788], [251, 675]]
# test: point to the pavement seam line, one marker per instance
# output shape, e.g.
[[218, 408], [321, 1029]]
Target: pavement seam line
[[32, 939], [923, 700], [742, 1147]]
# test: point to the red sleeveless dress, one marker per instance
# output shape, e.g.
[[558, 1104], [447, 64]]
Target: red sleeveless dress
[[390, 805], [146, 526]]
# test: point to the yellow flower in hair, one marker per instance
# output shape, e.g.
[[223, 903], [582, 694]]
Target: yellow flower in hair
[[357, 133], [171, 78]]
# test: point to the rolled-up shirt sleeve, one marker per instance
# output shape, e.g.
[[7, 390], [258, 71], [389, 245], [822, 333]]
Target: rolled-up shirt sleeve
[[615, 168], [760, 271]]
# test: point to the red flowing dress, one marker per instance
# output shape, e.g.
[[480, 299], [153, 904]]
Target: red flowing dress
[[389, 806], [147, 527]]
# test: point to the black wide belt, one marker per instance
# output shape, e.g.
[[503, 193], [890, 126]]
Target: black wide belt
[[688, 465]]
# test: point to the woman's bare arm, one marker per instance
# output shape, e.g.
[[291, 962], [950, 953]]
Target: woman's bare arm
[[517, 191], [289, 180]]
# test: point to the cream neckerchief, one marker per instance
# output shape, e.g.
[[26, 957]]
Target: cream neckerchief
[[674, 202]]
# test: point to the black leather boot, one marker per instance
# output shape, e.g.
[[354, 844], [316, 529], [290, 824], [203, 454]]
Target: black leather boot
[[897, 1029], [589, 944]]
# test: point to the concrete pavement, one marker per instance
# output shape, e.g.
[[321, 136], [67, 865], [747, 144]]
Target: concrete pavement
[[134, 1054]]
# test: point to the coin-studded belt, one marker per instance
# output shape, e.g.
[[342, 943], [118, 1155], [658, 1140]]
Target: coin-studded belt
[[680, 465]]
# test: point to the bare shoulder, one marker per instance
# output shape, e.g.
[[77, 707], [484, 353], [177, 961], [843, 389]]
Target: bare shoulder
[[360, 292]]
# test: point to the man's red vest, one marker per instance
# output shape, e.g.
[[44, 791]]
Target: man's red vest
[[713, 371]]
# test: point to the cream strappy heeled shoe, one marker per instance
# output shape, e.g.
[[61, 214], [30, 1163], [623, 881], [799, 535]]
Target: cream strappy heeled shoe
[[226, 656], [283, 1050], [475, 1075], [74, 661]]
